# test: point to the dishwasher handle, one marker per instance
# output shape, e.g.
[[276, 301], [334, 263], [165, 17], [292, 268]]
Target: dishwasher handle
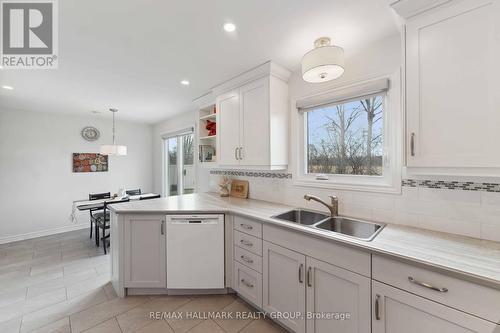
[[194, 221]]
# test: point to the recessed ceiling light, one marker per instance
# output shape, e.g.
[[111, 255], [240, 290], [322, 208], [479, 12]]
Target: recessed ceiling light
[[185, 82], [229, 27], [8, 87]]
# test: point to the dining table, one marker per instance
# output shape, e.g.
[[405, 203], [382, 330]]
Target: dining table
[[86, 204]]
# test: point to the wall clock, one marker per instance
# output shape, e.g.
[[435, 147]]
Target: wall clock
[[90, 133]]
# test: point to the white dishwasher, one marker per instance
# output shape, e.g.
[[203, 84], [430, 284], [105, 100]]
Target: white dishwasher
[[195, 251]]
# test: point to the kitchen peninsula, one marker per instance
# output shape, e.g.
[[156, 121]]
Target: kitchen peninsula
[[254, 242]]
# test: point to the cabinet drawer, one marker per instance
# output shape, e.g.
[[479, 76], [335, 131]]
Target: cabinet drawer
[[247, 242], [248, 226], [460, 294], [248, 284], [248, 259]]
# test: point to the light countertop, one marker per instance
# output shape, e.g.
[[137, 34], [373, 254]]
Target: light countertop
[[467, 257]]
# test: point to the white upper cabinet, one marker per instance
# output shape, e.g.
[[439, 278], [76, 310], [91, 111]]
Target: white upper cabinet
[[252, 119], [228, 127], [452, 99]]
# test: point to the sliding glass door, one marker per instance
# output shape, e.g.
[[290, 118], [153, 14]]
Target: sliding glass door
[[179, 164]]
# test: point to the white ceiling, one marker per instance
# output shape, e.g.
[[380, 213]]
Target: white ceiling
[[132, 54]]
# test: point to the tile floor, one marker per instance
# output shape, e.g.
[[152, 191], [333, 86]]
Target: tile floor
[[60, 284]]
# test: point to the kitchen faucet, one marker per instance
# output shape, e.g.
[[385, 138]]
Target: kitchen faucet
[[333, 207]]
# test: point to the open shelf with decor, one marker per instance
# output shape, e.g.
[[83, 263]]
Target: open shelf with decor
[[207, 134]]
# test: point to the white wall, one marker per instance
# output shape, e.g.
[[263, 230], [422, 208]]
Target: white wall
[[37, 184], [170, 125]]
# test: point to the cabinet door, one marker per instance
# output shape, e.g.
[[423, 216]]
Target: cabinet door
[[452, 82], [145, 254], [399, 311], [341, 293], [284, 285], [254, 123], [228, 128]]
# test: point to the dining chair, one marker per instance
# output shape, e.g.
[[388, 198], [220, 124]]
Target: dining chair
[[133, 192], [96, 212], [151, 197], [103, 223]]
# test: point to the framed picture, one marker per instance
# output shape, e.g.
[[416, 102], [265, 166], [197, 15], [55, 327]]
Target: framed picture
[[207, 153], [90, 162]]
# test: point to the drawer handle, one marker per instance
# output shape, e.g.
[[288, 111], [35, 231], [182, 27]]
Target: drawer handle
[[248, 260], [245, 242], [426, 285], [246, 226], [248, 284]]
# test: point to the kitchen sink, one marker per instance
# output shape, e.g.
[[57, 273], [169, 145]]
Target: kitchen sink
[[302, 216], [341, 225], [349, 227]]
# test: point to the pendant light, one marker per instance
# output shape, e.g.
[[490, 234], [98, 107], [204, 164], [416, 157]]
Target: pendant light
[[114, 149], [323, 63]]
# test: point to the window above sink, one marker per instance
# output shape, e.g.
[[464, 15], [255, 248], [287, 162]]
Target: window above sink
[[349, 137]]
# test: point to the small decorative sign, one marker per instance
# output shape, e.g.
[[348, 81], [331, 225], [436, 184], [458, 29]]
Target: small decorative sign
[[90, 162], [239, 188]]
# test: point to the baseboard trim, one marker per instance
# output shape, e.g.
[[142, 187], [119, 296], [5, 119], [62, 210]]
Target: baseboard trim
[[47, 232]]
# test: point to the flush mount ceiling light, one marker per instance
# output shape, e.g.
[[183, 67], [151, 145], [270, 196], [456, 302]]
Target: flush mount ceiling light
[[323, 63], [8, 87], [114, 149], [229, 27], [185, 82]]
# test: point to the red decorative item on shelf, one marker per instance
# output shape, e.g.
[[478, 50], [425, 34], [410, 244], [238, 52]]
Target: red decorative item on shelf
[[211, 127]]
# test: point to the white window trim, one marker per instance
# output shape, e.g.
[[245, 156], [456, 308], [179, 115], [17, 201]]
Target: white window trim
[[393, 138], [164, 138]]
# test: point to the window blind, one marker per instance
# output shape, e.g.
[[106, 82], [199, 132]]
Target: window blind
[[189, 130], [342, 95]]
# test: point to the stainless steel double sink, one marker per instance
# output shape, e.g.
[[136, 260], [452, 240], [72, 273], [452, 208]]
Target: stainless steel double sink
[[362, 230]]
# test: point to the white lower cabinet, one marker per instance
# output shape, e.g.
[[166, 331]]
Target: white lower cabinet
[[284, 285], [144, 251], [398, 311], [339, 300], [332, 299]]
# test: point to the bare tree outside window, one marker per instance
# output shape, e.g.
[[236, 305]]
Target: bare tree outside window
[[346, 138]]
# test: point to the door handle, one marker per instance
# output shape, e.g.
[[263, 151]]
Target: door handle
[[240, 155], [236, 153], [301, 267], [377, 307], [162, 227], [412, 144], [309, 273]]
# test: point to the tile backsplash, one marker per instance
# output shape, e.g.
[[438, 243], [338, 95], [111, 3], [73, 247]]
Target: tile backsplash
[[464, 208]]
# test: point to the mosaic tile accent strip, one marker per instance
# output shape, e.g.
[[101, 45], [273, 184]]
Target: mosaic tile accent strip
[[452, 185], [439, 184], [260, 174]]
